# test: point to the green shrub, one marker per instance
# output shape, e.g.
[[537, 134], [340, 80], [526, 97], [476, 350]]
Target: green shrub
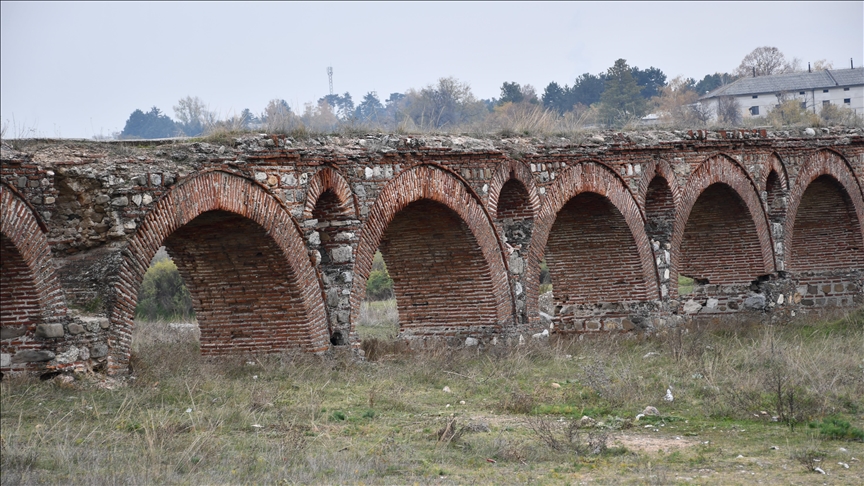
[[163, 295], [838, 429], [379, 286]]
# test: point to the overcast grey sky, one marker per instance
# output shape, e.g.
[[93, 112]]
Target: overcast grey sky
[[76, 69]]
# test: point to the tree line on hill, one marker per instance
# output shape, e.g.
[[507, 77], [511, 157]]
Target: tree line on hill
[[614, 98]]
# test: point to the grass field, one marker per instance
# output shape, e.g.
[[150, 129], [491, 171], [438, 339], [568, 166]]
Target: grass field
[[752, 403]]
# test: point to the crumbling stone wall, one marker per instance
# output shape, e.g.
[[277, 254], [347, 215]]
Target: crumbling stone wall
[[275, 237]]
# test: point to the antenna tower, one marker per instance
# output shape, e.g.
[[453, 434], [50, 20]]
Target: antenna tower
[[330, 77]]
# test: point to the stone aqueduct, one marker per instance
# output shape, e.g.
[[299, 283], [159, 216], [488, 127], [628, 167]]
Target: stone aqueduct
[[276, 238]]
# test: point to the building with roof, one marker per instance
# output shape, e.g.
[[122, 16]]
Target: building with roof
[[757, 96]]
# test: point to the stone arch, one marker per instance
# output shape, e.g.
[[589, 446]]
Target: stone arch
[[29, 289], [329, 179], [430, 199], [824, 216], [727, 198], [191, 219], [623, 246]]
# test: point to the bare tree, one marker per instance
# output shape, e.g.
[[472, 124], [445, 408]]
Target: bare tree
[[278, 117], [193, 115], [728, 111], [450, 103], [765, 61], [822, 64], [675, 102], [702, 112]]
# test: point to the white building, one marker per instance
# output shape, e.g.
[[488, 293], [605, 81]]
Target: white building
[[757, 96]]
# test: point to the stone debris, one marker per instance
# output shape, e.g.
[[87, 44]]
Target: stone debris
[[587, 421], [649, 410], [541, 335]]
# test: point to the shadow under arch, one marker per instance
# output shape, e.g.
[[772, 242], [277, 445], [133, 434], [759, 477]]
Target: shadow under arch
[[595, 196], [722, 181], [227, 231], [438, 215]]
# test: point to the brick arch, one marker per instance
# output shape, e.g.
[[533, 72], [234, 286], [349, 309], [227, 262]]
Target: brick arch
[[601, 187], [29, 289], [659, 196], [775, 164], [192, 218], [514, 170], [728, 183], [429, 190], [833, 182], [649, 173], [329, 179]]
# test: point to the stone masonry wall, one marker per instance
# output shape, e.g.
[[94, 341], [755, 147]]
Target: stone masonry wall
[[275, 236]]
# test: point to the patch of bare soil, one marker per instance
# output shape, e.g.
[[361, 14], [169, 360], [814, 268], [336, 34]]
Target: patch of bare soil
[[641, 443]]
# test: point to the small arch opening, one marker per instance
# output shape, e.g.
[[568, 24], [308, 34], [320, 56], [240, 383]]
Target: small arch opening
[[775, 198], [330, 214], [659, 210], [514, 213]]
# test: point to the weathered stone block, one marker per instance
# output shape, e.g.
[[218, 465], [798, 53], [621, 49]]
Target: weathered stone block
[[342, 254], [49, 330], [517, 264], [333, 297], [755, 302], [692, 307], [99, 350], [32, 356], [76, 329], [9, 332], [69, 356]]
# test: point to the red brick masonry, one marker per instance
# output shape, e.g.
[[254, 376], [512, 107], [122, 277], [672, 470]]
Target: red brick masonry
[[275, 238]]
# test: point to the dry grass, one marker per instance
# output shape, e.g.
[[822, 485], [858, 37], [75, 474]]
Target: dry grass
[[180, 418]]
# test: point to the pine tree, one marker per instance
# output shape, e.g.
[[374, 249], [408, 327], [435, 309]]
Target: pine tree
[[622, 99]]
